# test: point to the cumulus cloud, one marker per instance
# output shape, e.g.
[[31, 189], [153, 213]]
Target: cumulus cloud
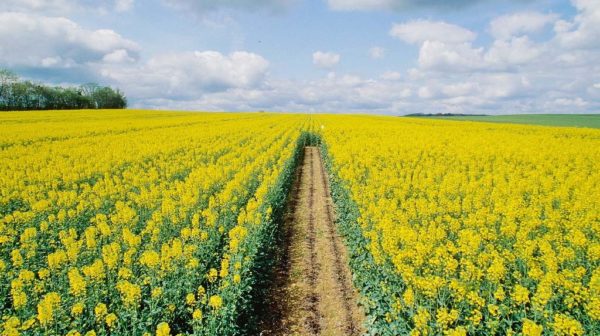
[[332, 92], [420, 31], [516, 72], [570, 102], [507, 26], [325, 60], [28, 40], [189, 74], [123, 5], [377, 53], [391, 76], [584, 30], [516, 51], [450, 48], [437, 55]]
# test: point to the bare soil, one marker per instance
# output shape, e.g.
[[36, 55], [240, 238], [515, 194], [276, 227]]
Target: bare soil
[[312, 292]]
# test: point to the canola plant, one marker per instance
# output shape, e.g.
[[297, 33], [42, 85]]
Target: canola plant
[[162, 223]]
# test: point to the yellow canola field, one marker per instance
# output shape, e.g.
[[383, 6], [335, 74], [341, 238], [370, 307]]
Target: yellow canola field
[[473, 228], [133, 222], [154, 223]]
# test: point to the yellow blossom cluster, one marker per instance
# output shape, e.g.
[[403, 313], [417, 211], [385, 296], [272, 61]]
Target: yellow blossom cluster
[[491, 228], [129, 222]]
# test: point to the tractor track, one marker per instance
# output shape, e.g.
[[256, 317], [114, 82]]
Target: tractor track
[[312, 292]]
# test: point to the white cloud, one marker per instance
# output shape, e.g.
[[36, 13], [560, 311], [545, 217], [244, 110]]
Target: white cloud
[[454, 72], [391, 76], [514, 73], [584, 31], [420, 31], [507, 26], [570, 102], [377, 53], [118, 56], [436, 55], [325, 59], [28, 40], [426, 92], [123, 5], [516, 51], [460, 89], [189, 74], [449, 48]]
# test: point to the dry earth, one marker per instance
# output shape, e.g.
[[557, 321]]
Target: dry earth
[[312, 292]]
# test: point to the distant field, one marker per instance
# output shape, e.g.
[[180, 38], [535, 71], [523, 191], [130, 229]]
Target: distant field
[[567, 120]]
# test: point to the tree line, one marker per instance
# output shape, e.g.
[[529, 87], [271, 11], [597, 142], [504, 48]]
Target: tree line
[[19, 95]]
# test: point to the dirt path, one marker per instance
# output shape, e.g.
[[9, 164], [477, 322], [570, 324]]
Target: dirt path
[[312, 292]]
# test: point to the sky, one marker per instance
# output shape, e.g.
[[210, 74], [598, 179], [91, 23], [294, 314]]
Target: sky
[[342, 56]]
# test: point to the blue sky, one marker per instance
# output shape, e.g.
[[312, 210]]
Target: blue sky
[[369, 56]]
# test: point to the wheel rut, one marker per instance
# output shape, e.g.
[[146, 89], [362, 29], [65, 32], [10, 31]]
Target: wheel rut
[[312, 292]]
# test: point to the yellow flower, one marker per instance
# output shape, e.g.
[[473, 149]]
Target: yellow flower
[[564, 325], [190, 299], [43, 273], [110, 254], [212, 275], [150, 259], [156, 292], [499, 294], [73, 333], [130, 293], [77, 309], [46, 308], [215, 301], [409, 297], [17, 258], [445, 317], [100, 311], [111, 320], [197, 314], [77, 282], [520, 295], [421, 318], [163, 329], [19, 297], [459, 331], [28, 324], [530, 328]]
